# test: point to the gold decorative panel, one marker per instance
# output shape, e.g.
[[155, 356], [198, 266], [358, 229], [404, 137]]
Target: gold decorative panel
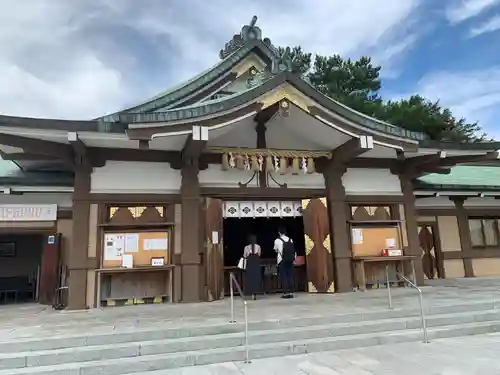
[[368, 213], [136, 214], [327, 245]]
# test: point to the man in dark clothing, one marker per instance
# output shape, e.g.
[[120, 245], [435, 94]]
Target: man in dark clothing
[[285, 250]]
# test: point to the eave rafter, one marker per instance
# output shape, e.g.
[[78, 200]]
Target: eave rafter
[[352, 149], [438, 163], [27, 156], [80, 152], [195, 143], [56, 150]]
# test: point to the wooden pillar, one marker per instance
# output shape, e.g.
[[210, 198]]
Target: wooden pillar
[[412, 226], [77, 260], [464, 234], [339, 232], [191, 252]]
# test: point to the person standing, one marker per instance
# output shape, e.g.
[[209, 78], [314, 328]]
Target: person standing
[[285, 254], [253, 272]]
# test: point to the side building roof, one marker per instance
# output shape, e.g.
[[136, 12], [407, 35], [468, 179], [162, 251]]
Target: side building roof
[[462, 178]]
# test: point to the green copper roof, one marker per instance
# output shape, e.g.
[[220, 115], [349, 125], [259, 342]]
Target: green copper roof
[[463, 176]]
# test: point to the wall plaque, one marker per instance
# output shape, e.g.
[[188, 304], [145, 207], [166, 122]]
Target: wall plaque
[[28, 212]]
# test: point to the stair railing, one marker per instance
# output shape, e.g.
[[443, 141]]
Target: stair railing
[[234, 283], [420, 299]]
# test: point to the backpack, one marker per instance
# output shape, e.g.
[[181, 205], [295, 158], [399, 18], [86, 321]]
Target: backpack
[[288, 255]]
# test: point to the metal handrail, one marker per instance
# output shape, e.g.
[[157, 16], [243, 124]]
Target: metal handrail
[[421, 301], [233, 282]]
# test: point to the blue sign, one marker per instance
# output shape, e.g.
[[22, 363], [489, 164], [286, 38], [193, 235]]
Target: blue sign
[[51, 240]]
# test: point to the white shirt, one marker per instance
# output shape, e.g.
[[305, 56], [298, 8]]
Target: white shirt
[[278, 246]]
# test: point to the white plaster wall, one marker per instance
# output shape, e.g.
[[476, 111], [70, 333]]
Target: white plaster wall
[[215, 176], [434, 202], [488, 202], [371, 182], [135, 177], [63, 200], [299, 181]]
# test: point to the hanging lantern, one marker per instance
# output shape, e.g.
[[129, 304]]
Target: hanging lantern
[[269, 163], [283, 165], [225, 162], [240, 162], [295, 166], [232, 161], [254, 162], [311, 168]]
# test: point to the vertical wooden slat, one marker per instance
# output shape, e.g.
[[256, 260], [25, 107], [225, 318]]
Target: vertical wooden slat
[[214, 260], [319, 261], [49, 270]]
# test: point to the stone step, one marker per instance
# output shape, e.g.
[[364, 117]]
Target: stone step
[[202, 357], [113, 335], [188, 344]]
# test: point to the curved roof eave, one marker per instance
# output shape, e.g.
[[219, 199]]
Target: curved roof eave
[[190, 86], [472, 146], [215, 107], [58, 124]]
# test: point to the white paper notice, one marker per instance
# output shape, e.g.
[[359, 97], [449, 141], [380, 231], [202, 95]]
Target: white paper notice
[[127, 261], [158, 261], [111, 251], [357, 236], [132, 243], [390, 243], [156, 244], [119, 243]]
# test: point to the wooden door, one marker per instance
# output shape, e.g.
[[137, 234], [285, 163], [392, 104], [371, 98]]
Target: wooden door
[[49, 270], [427, 241], [319, 261], [214, 265]]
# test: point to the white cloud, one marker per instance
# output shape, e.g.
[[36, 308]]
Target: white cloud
[[462, 10], [84, 58], [491, 25], [474, 95]]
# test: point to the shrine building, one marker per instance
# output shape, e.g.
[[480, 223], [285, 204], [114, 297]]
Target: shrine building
[[154, 203]]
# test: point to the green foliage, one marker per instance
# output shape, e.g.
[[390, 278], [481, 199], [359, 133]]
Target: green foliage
[[356, 83]]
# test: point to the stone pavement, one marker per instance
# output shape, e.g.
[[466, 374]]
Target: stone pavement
[[35, 321], [458, 356]]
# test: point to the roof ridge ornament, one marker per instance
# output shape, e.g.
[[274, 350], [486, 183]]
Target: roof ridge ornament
[[285, 63], [248, 33]]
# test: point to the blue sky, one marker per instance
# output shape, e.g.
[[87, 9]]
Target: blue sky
[[80, 59]]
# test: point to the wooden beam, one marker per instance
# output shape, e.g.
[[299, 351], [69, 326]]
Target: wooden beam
[[462, 159], [38, 146], [196, 143], [419, 161], [419, 172], [99, 155], [352, 149], [80, 151], [26, 156], [267, 114]]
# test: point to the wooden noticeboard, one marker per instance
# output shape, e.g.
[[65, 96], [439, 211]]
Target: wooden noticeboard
[[370, 241], [143, 246]]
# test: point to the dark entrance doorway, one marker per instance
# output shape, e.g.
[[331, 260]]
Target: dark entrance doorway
[[20, 267], [236, 232]]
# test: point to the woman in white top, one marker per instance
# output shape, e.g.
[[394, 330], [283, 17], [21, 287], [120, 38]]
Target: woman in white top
[[253, 272]]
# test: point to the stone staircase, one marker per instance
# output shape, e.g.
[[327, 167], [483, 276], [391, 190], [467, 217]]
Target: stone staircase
[[140, 350]]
